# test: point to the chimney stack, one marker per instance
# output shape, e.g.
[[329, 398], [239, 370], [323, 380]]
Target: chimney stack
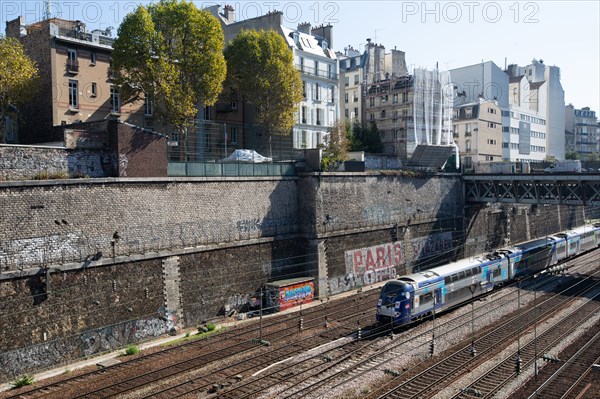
[[229, 13], [304, 27]]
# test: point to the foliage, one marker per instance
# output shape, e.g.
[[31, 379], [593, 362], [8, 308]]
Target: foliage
[[132, 350], [18, 75], [338, 144], [594, 157], [45, 175], [172, 52], [260, 67], [22, 381], [572, 155], [366, 139], [211, 326]]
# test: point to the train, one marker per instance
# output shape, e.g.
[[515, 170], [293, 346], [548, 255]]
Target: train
[[420, 294]]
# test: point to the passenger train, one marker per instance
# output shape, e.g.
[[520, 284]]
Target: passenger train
[[419, 294]]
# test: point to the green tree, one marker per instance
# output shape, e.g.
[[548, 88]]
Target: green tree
[[260, 67], [338, 144], [172, 52], [18, 75], [572, 155], [366, 139]]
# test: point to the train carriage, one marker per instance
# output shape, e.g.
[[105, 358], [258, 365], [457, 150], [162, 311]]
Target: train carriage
[[418, 294]]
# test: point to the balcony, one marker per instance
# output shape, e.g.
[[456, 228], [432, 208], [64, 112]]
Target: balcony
[[112, 74], [73, 67], [318, 73]]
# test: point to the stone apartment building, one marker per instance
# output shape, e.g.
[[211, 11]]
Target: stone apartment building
[[582, 133], [351, 82], [478, 132], [313, 57], [76, 79]]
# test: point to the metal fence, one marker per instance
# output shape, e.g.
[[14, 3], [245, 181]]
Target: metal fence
[[231, 149]]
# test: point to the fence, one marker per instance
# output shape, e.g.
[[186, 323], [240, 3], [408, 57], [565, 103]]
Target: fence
[[232, 149]]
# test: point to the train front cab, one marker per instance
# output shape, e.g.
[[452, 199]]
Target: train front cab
[[395, 302], [587, 238]]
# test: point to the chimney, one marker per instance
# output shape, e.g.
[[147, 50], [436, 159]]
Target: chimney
[[326, 32], [304, 27], [229, 13]]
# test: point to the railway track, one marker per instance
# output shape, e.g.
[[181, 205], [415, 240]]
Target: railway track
[[451, 368], [172, 362]]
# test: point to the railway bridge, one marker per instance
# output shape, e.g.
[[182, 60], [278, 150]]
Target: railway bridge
[[556, 189]]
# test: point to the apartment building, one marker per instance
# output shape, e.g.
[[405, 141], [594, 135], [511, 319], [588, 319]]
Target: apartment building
[[582, 134], [76, 79], [477, 130], [351, 64], [313, 57]]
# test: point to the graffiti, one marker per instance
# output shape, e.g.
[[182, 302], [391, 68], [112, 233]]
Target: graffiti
[[373, 258], [254, 225], [40, 250], [432, 245], [149, 328], [375, 276], [378, 213], [123, 162], [297, 292]]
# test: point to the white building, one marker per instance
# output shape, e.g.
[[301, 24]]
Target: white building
[[525, 140], [553, 99], [317, 62]]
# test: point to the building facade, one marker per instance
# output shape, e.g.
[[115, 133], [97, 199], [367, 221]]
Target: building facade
[[581, 131], [477, 131], [317, 63], [76, 79], [351, 84]]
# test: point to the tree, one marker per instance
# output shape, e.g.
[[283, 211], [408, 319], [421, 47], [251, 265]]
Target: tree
[[338, 144], [172, 52], [260, 67], [366, 139], [572, 155], [18, 75]]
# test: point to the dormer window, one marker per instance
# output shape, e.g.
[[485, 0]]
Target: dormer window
[[324, 45]]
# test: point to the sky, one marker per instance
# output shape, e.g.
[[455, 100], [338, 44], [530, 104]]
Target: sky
[[450, 33]]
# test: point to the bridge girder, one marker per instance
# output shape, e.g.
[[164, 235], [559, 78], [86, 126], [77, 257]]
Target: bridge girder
[[571, 189]]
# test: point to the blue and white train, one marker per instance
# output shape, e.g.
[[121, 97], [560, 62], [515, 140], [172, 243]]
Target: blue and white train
[[416, 295]]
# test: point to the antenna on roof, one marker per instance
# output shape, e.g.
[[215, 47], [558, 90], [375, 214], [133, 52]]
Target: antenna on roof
[[47, 12]]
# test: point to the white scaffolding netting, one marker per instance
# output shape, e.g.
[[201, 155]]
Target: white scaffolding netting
[[433, 101]]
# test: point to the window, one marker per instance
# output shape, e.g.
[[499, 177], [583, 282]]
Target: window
[[346, 98], [468, 146], [372, 116], [148, 105], [492, 125], [346, 113], [317, 68], [383, 114], [303, 139], [73, 94], [330, 73], [72, 60], [302, 64], [404, 97], [115, 100], [304, 114], [468, 113], [233, 135], [233, 105], [355, 112], [319, 116], [94, 90], [93, 58], [395, 98], [207, 111], [317, 92], [304, 89], [331, 94], [347, 81], [372, 101], [356, 77], [491, 111]]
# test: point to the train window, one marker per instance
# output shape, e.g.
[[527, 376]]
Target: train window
[[426, 298], [461, 275], [468, 273], [475, 270], [447, 280], [497, 272], [454, 277]]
